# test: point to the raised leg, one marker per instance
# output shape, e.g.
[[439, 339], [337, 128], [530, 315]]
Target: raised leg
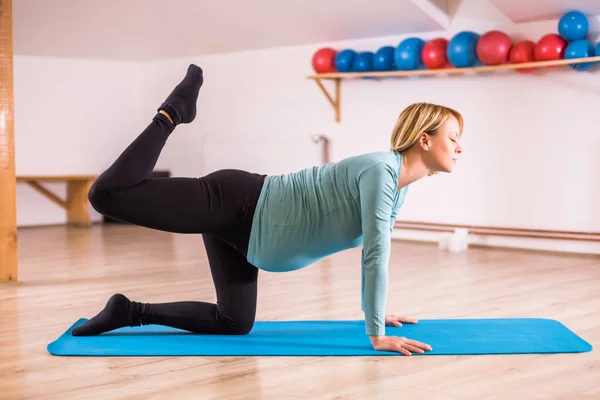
[[124, 192], [136, 163]]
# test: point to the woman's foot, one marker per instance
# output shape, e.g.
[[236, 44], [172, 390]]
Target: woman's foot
[[180, 105], [115, 315]]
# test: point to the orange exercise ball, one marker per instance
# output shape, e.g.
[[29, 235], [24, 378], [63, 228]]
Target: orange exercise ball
[[493, 47], [522, 52], [323, 60]]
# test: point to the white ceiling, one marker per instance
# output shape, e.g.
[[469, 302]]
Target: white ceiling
[[535, 10], [152, 29]]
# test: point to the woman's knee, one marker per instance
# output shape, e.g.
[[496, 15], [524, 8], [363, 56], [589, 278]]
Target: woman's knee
[[99, 198], [238, 323], [242, 327]]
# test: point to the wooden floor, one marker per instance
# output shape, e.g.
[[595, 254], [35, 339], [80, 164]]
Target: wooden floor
[[67, 273]]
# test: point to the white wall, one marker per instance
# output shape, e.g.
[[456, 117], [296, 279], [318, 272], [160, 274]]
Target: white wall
[[71, 117], [530, 142]]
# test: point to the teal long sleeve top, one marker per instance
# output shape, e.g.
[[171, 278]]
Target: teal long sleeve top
[[307, 215]]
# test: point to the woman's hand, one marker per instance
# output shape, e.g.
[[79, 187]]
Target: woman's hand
[[396, 320], [399, 344]]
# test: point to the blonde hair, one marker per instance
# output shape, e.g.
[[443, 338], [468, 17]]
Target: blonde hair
[[418, 118]]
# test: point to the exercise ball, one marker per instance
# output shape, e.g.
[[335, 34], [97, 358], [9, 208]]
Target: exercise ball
[[493, 47], [550, 47], [324, 60], [384, 59], [408, 54], [433, 53], [344, 61], [573, 26], [461, 50], [363, 62], [522, 52], [580, 49]]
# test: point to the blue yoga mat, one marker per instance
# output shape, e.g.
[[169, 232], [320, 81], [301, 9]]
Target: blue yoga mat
[[329, 338]]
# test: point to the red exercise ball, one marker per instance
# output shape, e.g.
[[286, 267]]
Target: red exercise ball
[[550, 47], [493, 47], [522, 52], [433, 53], [323, 60]]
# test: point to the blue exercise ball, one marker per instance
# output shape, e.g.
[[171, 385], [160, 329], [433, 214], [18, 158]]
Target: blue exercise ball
[[597, 50], [408, 54], [461, 50], [384, 59], [344, 61], [363, 62], [573, 26], [580, 49]]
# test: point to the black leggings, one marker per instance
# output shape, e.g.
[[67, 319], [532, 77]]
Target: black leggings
[[220, 206]]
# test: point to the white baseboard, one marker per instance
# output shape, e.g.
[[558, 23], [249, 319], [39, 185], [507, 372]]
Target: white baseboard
[[569, 246]]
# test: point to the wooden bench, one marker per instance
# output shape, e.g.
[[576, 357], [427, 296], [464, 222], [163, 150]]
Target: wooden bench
[[76, 203]]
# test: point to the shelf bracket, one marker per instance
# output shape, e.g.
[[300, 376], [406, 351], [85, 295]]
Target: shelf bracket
[[335, 100]]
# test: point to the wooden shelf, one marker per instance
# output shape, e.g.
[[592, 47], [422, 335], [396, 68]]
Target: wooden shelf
[[337, 77]]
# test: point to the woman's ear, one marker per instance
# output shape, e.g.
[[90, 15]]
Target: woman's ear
[[424, 141]]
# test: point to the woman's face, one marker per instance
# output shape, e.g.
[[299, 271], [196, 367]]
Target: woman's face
[[443, 148]]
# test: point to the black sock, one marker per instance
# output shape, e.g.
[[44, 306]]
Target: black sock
[[181, 103], [118, 313]]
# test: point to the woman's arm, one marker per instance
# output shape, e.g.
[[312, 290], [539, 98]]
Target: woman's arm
[[377, 189]]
